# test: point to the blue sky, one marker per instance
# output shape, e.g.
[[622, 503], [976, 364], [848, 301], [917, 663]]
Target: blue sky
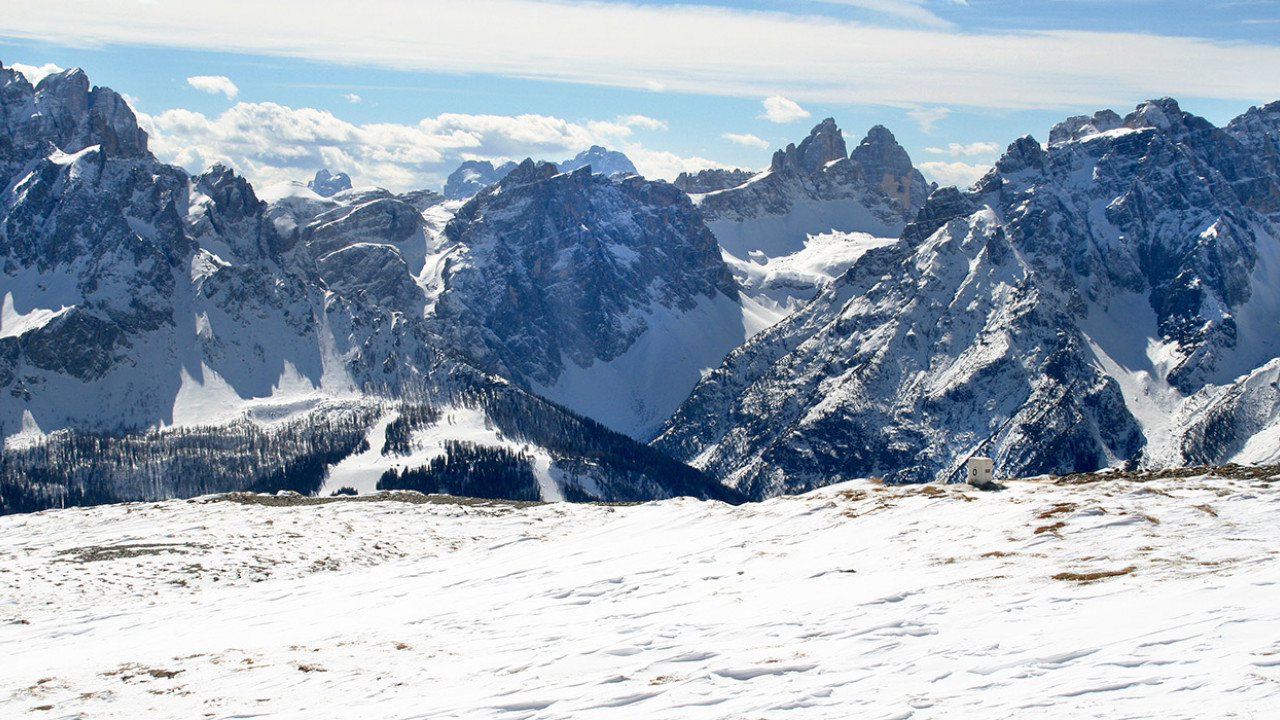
[[398, 93]]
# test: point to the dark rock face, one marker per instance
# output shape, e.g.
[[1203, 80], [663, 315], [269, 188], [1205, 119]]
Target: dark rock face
[[326, 184], [558, 267], [1007, 322], [602, 161], [473, 176]]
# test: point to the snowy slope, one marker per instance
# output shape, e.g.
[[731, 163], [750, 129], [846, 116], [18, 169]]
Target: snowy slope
[[1114, 598], [637, 391]]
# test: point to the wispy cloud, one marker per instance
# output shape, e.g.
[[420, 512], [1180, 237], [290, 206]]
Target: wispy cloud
[[781, 110], [746, 139], [912, 11], [691, 49], [214, 84], [662, 165], [969, 150], [642, 122], [352, 98], [928, 117]]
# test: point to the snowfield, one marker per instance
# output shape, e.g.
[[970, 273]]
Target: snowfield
[[1113, 598]]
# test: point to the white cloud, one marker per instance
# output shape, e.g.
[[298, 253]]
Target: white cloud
[[643, 122], [691, 48], [269, 143], [746, 139], [960, 174], [35, 74], [660, 165], [970, 150], [352, 98], [781, 110], [214, 84], [909, 10], [928, 117]]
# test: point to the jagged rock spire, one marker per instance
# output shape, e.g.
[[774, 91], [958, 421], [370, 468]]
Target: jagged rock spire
[[824, 144]]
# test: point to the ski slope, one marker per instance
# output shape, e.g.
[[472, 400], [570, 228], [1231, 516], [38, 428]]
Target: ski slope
[[1111, 599]]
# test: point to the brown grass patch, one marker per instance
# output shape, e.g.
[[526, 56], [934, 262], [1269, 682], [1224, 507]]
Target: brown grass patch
[[1058, 509], [1093, 576], [1050, 528]]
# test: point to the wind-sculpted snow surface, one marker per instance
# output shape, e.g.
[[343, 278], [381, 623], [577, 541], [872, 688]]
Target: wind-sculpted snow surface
[[1082, 598], [1105, 301]]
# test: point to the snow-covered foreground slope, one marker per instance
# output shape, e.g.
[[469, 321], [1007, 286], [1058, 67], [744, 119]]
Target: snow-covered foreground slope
[[1110, 599]]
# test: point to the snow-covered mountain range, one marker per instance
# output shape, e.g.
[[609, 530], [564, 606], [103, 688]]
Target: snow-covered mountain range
[[1106, 299], [177, 309]]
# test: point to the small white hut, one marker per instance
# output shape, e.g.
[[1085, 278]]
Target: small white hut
[[981, 471]]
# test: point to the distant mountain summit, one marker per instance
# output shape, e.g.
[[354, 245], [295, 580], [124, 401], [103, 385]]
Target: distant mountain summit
[[602, 161], [326, 184], [472, 176], [789, 230], [711, 180]]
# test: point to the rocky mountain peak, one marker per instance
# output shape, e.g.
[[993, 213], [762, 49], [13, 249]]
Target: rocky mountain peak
[[825, 144], [1160, 114], [602, 161], [1258, 129], [233, 214], [1169, 118], [880, 150], [472, 176], [529, 171], [886, 165], [1022, 154], [327, 184], [1082, 126], [73, 117], [711, 180], [232, 193], [944, 205]]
